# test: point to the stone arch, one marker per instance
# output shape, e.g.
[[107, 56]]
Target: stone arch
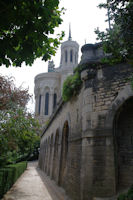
[[40, 156], [46, 156], [123, 95], [64, 154], [123, 139], [50, 154], [55, 156], [45, 152]]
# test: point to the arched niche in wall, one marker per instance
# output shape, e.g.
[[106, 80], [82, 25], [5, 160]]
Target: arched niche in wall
[[123, 140], [64, 152], [50, 154], [46, 108], [55, 157], [46, 156]]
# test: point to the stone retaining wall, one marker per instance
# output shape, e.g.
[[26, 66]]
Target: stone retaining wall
[[81, 146]]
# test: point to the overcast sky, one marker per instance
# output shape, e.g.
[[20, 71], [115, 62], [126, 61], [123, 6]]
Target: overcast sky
[[84, 17]]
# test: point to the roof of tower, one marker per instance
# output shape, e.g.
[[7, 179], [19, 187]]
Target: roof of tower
[[69, 42], [70, 37]]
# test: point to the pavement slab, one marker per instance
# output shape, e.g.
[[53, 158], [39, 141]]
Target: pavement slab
[[33, 184]]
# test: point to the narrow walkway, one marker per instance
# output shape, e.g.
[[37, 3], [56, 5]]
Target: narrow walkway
[[34, 185]]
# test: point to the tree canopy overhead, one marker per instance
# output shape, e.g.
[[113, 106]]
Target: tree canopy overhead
[[26, 27], [118, 39]]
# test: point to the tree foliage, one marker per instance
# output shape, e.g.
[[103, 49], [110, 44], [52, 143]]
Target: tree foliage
[[118, 39], [18, 137], [18, 128], [26, 28], [11, 95]]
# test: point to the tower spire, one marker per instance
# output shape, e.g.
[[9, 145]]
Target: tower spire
[[70, 37]]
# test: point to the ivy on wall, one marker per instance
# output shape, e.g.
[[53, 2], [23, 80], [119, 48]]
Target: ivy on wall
[[71, 86]]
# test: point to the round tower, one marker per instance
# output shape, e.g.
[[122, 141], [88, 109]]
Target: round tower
[[69, 53], [48, 86]]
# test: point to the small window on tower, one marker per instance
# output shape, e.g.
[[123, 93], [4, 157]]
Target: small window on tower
[[54, 100], [65, 56], [46, 103], [39, 109], [75, 58], [71, 56]]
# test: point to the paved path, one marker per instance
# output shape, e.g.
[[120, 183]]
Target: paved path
[[34, 185]]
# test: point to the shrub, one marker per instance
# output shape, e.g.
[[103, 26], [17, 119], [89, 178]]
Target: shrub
[[9, 175], [127, 196], [71, 86], [18, 135]]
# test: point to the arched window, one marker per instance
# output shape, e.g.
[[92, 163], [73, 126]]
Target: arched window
[[123, 137], [46, 103], [39, 108], [61, 60], [71, 55], [54, 100], [55, 157], [75, 58], [64, 154], [66, 56]]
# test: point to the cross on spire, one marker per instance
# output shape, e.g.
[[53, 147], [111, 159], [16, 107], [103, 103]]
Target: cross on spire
[[70, 37]]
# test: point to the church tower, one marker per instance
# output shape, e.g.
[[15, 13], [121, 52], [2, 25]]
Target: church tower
[[69, 53], [69, 57], [48, 86]]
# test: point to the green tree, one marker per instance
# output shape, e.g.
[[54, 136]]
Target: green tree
[[10, 95], [18, 128], [18, 135], [118, 38], [26, 28]]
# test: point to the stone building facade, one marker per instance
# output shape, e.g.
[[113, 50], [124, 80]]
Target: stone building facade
[[48, 86], [87, 147]]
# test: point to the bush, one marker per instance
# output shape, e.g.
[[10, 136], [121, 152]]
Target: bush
[[18, 136], [71, 86], [127, 196], [9, 175]]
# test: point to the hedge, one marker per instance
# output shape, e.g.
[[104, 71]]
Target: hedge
[[127, 196], [9, 175]]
